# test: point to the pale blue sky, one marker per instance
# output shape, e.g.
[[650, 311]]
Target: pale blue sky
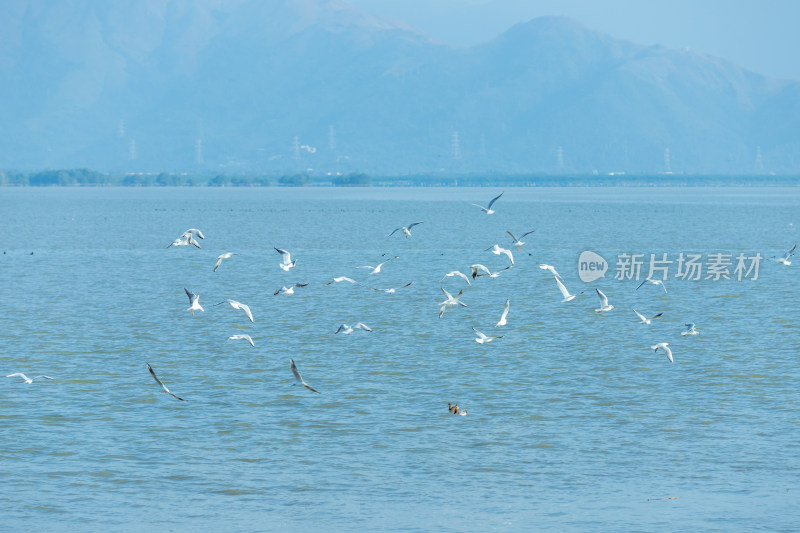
[[760, 35]]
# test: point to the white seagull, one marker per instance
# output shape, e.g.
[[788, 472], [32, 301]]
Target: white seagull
[[376, 269], [242, 336], [690, 330], [488, 209], [653, 282], [26, 378], [185, 242], [239, 305], [286, 291], [348, 330], [166, 390], [480, 268], [406, 229], [497, 250], [392, 291], [664, 346], [565, 292], [194, 232], [451, 301], [300, 379], [644, 319], [340, 279], [503, 317], [551, 269], [287, 262], [518, 242], [226, 255], [483, 339], [457, 273], [604, 305], [785, 259], [194, 300]]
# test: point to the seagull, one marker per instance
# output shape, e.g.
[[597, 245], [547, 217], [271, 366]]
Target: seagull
[[457, 273], [287, 262], [185, 242], [300, 379], [785, 259], [239, 305], [551, 269], [406, 229], [488, 209], [340, 279], [690, 330], [478, 267], [152, 373], [497, 250], [664, 346], [242, 336], [653, 282], [565, 292], [26, 378], [194, 232], [458, 411], [348, 330], [392, 291], [503, 317], [644, 319], [518, 242], [604, 305], [376, 269], [482, 339], [194, 299], [451, 301], [226, 255], [286, 291]]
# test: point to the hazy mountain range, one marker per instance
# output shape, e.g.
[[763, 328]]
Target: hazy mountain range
[[287, 85]]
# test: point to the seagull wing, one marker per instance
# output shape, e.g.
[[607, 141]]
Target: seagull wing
[[512, 236], [603, 298], [494, 200], [246, 309], [287, 257], [296, 373], [562, 288], [395, 231], [152, 373], [505, 313], [642, 283], [191, 295], [363, 326], [406, 285], [219, 262], [413, 224], [527, 233], [640, 315], [656, 316]]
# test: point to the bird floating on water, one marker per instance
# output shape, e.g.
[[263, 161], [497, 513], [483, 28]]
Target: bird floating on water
[[644, 319], [164, 387], [286, 262], [238, 305], [226, 255], [664, 346], [194, 300], [405, 229], [242, 336], [26, 378], [488, 209], [300, 379]]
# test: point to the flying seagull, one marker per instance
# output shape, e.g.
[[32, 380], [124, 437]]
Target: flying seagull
[[287, 262], [194, 300], [690, 330], [26, 378], [551, 269], [226, 255], [457, 273], [604, 305], [286, 291], [239, 305], [518, 242], [340, 279], [392, 291], [785, 259], [194, 232], [664, 346], [482, 339], [653, 282], [406, 229], [348, 330], [300, 379], [152, 373], [644, 319], [503, 317], [451, 301], [497, 250], [564, 292], [185, 242], [478, 267], [488, 209], [376, 269], [242, 336]]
